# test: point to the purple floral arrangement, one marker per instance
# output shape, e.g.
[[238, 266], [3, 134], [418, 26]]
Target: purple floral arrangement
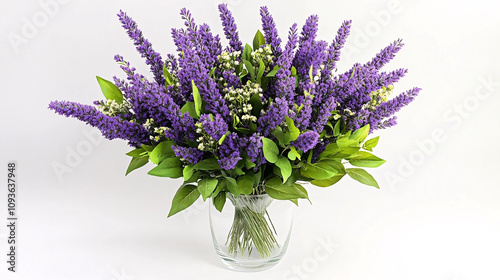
[[247, 119]]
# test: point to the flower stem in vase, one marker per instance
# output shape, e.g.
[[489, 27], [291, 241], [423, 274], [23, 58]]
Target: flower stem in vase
[[251, 229]]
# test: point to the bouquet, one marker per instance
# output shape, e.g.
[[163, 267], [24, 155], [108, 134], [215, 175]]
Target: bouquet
[[247, 120]]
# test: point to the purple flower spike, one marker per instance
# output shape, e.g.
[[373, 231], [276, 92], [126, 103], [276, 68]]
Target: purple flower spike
[[111, 127], [386, 54], [306, 141], [270, 31], [229, 152], [230, 28], [336, 46], [215, 128], [145, 48], [191, 155], [254, 150]]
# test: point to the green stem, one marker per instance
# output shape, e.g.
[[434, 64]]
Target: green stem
[[250, 230]]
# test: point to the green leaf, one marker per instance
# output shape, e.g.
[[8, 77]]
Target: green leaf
[[327, 182], [360, 134], [247, 162], [294, 71], [110, 91], [293, 153], [258, 40], [250, 69], [221, 187], [273, 72], [197, 100], [286, 168], [147, 148], [212, 72], [293, 178], [365, 159], [280, 136], [235, 172], [332, 150], [362, 176], [336, 129], [311, 74], [206, 186], [243, 73], [257, 177], [346, 141], [318, 171], [353, 71], [370, 144], [139, 152], [219, 201], [232, 186], [185, 196], [135, 163], [277, 190], [190, 108], [223, 137], [256, 103], [207, 164], [162, 151], [270, 149], [247, 52], [245, 183], [168, 78], [170, 167], [187, 172], [294, 131], [262, 67]]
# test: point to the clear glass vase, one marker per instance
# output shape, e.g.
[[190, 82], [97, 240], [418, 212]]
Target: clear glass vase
[[252, 232]]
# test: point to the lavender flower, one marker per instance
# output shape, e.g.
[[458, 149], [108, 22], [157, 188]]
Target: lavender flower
[[155, 110], [110, 127], [229, 152], [389, 108], [230, 29], [336, 46], [254, 150], [306, 141], [215, 128], [270, 31], [191, 155], [385, 55], [274, 116], [144, 47]]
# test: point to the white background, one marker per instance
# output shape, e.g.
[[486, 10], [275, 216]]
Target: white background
[[436, 216]]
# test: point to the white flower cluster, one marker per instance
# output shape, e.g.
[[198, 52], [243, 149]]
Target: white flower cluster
[[112, 108], [157, 133], [229, 60], [238, 101], [265, 53], [315, 79], [205, 141], [378, 97]]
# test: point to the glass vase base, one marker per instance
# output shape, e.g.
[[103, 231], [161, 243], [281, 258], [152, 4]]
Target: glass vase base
[[250, 265]]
